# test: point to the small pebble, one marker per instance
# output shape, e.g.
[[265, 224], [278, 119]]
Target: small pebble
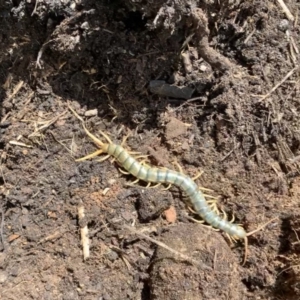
[[85, 25], [91, 113], [283, 25], [203, 68], [170, 214], [3, 276]]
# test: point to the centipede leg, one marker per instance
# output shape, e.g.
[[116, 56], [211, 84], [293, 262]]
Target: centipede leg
[[168, 187], [205, 189], [230, 238], [213, 206], [178, 166], [197, 221], [133, 183], [144, 160], [123, 172], [197, 175], [96, 153], [225, 215], [139, 156], [144, 163], [156, 185], [125, 139]]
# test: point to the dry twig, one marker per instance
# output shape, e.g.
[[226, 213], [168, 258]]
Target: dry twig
[[286, 77], [46, 125], [16, 89], [84, 232], [1, 227], [286, 10]]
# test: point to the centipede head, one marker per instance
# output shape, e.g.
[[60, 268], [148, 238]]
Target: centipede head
[[102, 146], [239, 234]]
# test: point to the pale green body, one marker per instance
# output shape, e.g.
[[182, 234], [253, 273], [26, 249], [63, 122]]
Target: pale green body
[[180, 180]]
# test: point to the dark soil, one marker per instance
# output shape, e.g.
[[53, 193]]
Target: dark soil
[[213, 85]]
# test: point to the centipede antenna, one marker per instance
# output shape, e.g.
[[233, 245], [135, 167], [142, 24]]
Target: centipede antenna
[[106, 137], [252, 232], [261, 227], [75, 113], [96, 153], [98, 142]]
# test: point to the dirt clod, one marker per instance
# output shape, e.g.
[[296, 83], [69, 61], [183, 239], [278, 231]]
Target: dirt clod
[[172, 278]]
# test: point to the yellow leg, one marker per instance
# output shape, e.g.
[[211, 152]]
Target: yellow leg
[[96, 153], [133, 183], [205, 189], [105, 136], [156, 185], [178, 166], [198, 175], [168, 187], [208, 196], [123, 172], [134, 152], [125, 139], [225, 215], [140, 156], [213, 206], [103, 158], [97, 141]]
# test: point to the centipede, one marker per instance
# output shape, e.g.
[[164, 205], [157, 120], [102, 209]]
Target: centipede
[[166, 176]]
